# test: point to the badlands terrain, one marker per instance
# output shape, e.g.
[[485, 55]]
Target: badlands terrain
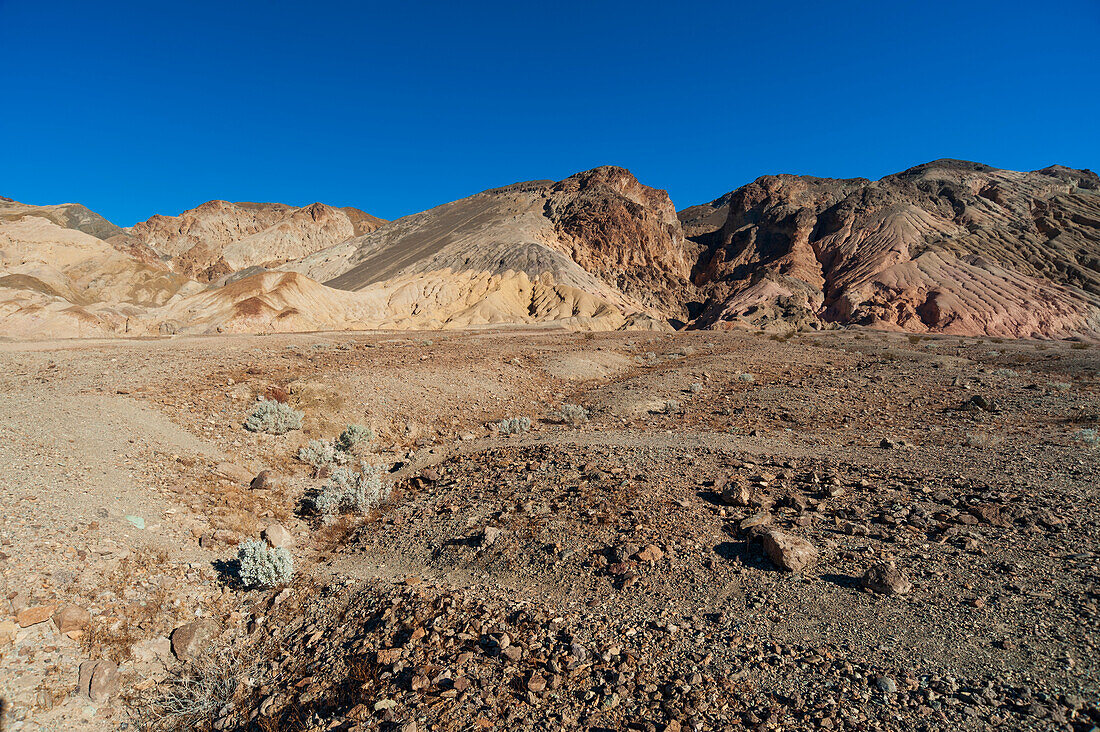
[[946, 247], [818, 454], [840, 529]]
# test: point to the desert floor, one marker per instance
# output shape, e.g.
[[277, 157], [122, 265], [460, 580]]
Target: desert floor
[[621, 586]]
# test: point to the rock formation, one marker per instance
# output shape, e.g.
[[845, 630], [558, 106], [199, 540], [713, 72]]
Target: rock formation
[[219, 238], [600, 234], [949, 246]]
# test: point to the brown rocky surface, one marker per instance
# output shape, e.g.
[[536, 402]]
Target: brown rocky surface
[[948, 246], [579, 575]]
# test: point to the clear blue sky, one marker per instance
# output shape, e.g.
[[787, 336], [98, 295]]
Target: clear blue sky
[[154, 107]]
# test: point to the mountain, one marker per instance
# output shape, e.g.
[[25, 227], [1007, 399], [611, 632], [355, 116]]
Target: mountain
[[219, 238], [603, 235], [57, 281], [945, 247], [949, 246]]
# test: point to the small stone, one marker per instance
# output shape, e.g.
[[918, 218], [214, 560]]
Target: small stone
[[788, 552], [72, 618], [652, 553], [34, 615], [885, 578], [761, 519], [489, 536], [276, 535], [886, 684], [736, 493], [8, 629], [98, 680], [189, 641], [265, 480], [536, 683]]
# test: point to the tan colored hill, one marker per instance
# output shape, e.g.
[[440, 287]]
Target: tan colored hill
[[219, 238], [62, 282], [949, 246], [600, 233]]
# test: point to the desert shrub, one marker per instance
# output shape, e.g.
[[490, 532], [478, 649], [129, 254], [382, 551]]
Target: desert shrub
[[746, 377], [513, 425], [262, 566], [915, 339], [353, 436], [351, 491], [572, 414], [1003, 372], [671, 406], [695, 388], [321, 453], [274, 418], [194, 696], [1088, 435], [1080, 346]]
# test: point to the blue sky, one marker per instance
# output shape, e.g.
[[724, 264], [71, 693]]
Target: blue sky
[[141, 108]]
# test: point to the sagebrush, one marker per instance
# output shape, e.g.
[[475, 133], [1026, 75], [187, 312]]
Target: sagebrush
[[263, 566], [572, 414], [274, 418], [352, 491], [514, 425]]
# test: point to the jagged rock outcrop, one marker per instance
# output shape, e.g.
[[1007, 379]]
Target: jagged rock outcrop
[[948, 246], [219, 238]]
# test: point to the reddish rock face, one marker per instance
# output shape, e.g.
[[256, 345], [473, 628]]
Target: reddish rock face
[[622, 231], [949, 246]]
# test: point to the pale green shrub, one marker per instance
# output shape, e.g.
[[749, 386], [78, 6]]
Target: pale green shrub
[[262, 566], [351, 491], [513, 425], [353, 436], [274, 418], [572, 414]]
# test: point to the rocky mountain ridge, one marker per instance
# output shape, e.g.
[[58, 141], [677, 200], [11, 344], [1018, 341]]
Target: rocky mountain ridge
[[948, 246]]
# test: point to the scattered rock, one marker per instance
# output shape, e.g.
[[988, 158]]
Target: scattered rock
[[72, 618], [886, 684], [761, 519], [652, 553], [189, 641], [788, 552], [265, 480], [34, 615], [98, 680], [736, 493], [276, 535], [489, 536], [885, 578]]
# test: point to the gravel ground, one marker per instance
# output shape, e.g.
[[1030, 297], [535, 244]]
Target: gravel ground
[[609, 575]]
